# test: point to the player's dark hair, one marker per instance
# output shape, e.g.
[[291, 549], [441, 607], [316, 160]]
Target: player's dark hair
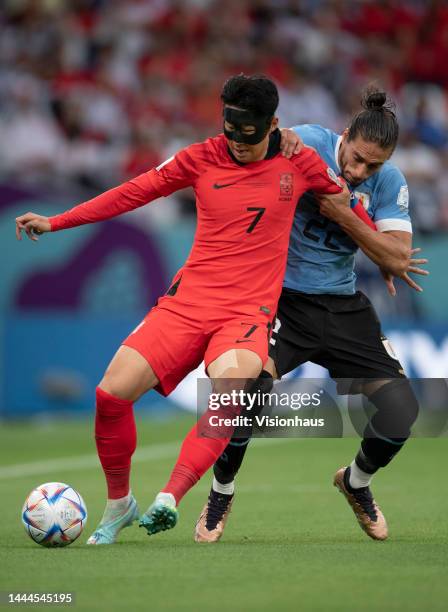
[[256, 93], [377, 122]]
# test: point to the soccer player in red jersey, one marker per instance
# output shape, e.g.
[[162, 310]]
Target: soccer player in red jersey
[[220, 304]]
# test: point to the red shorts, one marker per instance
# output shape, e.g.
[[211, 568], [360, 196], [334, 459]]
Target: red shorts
[[175, 337]]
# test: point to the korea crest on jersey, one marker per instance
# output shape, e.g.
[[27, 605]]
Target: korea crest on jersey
[[286, 184]]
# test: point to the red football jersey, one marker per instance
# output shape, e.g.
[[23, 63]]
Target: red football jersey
[[244, 218]]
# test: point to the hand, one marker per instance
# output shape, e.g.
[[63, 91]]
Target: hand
[[413, 267], [33, 225], [291, 143], [335, 205]]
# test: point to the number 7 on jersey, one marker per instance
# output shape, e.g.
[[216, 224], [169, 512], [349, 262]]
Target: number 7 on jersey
[[260, 212]]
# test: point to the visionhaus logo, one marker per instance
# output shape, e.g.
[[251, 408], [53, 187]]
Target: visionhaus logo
[[264, 421]]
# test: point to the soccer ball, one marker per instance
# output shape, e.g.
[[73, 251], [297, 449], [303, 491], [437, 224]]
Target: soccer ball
[[54, 514]]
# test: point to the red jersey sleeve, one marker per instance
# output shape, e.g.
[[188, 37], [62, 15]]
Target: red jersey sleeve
[[123, 198], [323, 180], [359, 211], [320, 177], [176, 173]]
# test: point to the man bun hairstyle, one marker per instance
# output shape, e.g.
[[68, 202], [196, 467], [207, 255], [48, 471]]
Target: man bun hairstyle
[[256, 93], [377, 121]]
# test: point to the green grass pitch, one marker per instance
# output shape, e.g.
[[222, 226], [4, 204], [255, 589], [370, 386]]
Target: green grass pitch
[[292, 542]]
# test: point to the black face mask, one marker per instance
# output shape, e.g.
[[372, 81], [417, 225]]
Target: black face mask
[[238, 118]]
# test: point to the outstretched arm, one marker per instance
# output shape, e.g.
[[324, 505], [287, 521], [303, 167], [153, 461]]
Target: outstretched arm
[[391, 250], [124, 198], [176, 173], [413, 268]]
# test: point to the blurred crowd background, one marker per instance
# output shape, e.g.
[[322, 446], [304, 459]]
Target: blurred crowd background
[[93, 92], [96, 91]]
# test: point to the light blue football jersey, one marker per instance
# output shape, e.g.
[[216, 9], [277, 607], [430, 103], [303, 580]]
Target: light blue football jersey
[[321, 256]]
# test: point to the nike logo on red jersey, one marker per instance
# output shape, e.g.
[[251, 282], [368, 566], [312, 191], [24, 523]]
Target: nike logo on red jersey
[[217, 186], [239, 341]]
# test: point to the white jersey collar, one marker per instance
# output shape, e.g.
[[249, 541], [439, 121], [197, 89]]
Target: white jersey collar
[[336, 151]]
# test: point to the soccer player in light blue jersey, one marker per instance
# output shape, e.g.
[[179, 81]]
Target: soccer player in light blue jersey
[[322, 318]]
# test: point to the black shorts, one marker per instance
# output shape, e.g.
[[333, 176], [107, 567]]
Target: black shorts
[[339, 332]]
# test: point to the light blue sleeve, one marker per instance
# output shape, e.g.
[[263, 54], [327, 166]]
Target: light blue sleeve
[[313, 136], [391, 210]]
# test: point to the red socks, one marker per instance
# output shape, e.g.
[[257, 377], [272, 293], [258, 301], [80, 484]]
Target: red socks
[[196, 456], [116, 439]]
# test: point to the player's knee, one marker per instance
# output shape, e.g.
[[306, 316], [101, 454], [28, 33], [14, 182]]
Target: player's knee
[[262, 383], [113, 387], [262, 386], [397, 408], [229, 386], [121, 386], [128, 375], [249, 364]]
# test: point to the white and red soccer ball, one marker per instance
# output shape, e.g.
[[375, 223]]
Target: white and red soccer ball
[[54, 514]]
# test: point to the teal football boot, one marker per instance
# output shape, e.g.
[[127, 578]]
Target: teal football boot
[[107, 531], [161, 515]]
